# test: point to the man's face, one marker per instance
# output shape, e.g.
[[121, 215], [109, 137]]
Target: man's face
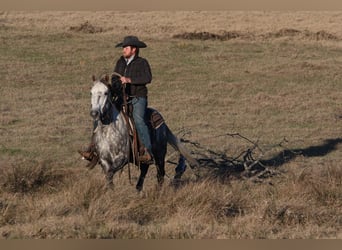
[[128, 51]]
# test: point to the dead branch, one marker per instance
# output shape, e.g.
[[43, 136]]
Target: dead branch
[[246, 164]]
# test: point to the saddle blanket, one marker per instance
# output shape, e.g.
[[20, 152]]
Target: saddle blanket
[[156, 119]]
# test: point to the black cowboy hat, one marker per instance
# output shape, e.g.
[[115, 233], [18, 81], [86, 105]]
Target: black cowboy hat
[[132, 41]]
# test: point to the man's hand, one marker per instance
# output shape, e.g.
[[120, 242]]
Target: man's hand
[[125, 80]]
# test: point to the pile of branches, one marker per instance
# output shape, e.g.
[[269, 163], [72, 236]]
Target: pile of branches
[[248, 164]]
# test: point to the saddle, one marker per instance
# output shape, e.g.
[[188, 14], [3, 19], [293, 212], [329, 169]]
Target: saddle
[[154, 121]]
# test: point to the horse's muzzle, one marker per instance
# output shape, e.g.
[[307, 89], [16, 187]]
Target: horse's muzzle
[[94, 114]]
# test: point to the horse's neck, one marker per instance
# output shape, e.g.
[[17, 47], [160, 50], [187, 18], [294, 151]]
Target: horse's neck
[[109, 115]]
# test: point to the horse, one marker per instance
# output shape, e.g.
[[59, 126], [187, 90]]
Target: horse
[[112, 139]]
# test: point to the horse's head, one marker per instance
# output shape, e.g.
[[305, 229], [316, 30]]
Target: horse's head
[[100, 97]]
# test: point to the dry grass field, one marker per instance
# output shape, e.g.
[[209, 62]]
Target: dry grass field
[[227, 83]]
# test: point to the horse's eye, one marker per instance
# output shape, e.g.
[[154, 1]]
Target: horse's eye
[[106, 93]]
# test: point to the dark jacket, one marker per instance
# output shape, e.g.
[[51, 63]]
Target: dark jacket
[[140, 73]]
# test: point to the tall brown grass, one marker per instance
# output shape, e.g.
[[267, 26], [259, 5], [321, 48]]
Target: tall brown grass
[[280, 78]]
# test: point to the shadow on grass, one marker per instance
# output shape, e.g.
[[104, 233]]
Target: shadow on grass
[[222, 167], [287, 155]]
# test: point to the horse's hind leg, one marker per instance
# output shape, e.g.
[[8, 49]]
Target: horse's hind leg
[[160, 164], [159, 151], [143, 172], [181, 167]]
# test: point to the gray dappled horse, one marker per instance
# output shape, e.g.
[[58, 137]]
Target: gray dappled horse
[[112, 139]]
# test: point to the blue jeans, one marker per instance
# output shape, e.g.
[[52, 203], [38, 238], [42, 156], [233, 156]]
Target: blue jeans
[[139, 111]]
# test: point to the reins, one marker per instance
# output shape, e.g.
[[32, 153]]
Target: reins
[[125, 114], [116, 74]]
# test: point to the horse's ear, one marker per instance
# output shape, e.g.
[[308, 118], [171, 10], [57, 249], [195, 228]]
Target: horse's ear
[[94, 78], [107, 78]]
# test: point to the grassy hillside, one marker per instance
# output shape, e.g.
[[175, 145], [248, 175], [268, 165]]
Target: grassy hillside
[[226, 82]]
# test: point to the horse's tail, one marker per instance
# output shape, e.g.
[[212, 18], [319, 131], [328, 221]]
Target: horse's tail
[[177, 145]]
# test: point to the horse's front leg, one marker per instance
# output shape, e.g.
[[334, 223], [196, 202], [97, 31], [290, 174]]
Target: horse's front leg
[[109, 173], [110, 167], [109, 179]]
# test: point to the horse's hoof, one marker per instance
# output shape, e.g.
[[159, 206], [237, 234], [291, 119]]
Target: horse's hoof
[[110, 186], [176, 183], [178, 175]]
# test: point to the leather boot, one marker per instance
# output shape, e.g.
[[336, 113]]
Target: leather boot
[[146, 158], [90, 155], [93, 162]]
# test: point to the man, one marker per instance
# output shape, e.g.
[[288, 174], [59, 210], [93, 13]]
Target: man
[[136, 74]]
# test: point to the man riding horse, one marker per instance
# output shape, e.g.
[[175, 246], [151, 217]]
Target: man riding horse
[[135, 74]]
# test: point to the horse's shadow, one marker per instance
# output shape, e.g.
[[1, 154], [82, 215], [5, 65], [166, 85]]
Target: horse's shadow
[[222, 167], [287, 155]]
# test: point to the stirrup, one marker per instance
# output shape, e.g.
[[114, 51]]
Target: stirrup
[[146, 158]]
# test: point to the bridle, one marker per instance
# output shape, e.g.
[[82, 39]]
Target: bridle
[[104, 112]]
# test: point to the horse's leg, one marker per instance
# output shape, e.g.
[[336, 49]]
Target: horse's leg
[[109, 178], [160, 163], [111, 166], [181, 167], [143, 172], [108, 173], [159, 158], [159, 152]]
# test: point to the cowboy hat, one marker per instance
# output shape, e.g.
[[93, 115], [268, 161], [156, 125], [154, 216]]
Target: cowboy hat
[[131, 41]]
